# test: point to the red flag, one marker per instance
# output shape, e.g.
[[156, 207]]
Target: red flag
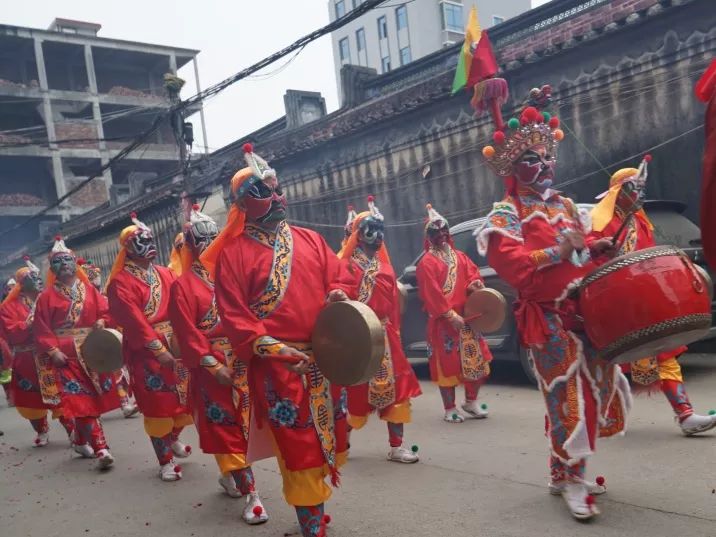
[[706, 91], [484, 64]]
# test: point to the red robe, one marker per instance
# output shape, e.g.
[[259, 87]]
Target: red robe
[[16, 318], [140, 309], [221, 413], [636, 236], [443, 287], [60, 313], [373, 283], [287, 310]]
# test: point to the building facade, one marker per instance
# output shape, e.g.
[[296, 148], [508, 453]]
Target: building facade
[[70, 101], [397, 33]]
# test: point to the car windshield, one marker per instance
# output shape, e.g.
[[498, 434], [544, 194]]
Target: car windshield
[[673, 228]]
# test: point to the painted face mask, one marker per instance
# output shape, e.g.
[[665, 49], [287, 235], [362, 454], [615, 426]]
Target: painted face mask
[[63, 264], [439, 236], [265, 202], [535, 169], [32, 282], [201, 234], [631, 195], [372, 233], [142, 245]]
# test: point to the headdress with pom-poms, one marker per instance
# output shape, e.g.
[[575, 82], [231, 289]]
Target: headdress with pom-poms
[[434, 220], [196, 216], [141, 225], [373, 209], [348, 228], [29, 264], [534, 127], [59, 247], [258, 165]]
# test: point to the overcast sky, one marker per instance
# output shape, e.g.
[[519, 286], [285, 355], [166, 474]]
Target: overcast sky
[[231, 34]]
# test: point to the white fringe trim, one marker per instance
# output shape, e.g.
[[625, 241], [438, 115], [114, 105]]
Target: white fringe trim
[[483, 238]]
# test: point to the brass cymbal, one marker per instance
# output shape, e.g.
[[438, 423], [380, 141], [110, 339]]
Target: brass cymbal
[[348, 342], [102, 350], [485, 310]]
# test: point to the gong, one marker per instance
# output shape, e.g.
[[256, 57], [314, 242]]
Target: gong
[[485, 310], [102, 350], [348, 343]]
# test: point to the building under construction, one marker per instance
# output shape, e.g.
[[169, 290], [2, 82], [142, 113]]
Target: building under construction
[[70, 101]]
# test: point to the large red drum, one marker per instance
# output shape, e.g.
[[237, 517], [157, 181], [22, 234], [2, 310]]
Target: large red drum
[[644, 303]]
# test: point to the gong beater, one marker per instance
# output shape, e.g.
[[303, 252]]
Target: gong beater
[[102, 350], [485, 310], [348, 343]]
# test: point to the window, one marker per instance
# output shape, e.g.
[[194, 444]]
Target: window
[[344, 49], [405, 57], [360, 39], [382, 28], [452, 18], [385, 64], [340, 8], [401, 17], [496, 19]]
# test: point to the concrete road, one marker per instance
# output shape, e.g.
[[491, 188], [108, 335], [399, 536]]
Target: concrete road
[[481, 478]]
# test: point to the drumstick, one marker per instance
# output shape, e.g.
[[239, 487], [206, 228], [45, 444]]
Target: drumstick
[[473, 317], [621, 228], [288, 358]]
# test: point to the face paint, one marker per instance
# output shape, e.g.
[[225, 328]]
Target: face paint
[[32, 283], [631, 194], [535, 168], [439, 236], [141, 245], [371, 234], [200, 235], [265, 202], [63, 264]]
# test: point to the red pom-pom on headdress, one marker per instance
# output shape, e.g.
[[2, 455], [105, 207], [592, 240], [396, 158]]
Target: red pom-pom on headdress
[[530, 113], [351, 208], [81, 261], [498, 137], [371, 198], [647, 157], [248, 148], [132, 215], [195, 207], [26, 258], [554, 122], [58, 237]]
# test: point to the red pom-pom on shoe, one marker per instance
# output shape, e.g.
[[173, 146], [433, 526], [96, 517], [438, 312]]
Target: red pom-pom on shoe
[[177, 469], [327, 519], [554, 122], [498, 137], [647, 157], [248, 148], [37, 441], [589, 500], [600, 480], [257, 510]]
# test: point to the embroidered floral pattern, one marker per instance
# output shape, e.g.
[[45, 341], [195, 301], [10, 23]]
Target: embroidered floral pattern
[[370, 267], [75, 293], [151, 279], [280, 275], [450, 259], [284, 413]]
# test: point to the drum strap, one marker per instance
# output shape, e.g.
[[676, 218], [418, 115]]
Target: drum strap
[[241, 392], [180, 371], [79, 335]]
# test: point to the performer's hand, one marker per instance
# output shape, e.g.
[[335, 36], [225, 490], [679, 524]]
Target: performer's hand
[[337, 295], [457, 322], [99, 324], [565, 249], [604, 247], [59, 359], [166, 359], [223, 376], [576, 239], [474, 286], [300, 367]]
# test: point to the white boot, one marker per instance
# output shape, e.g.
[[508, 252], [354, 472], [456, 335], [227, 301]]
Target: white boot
[[696, 424], [254, 512], [400, 454], [105, 459], [42, 439], [474, 410], [593, 488], [229, 485], [170, 471], [579, 501], [181, 450], [130, 410], [453, 416], [85, 450]]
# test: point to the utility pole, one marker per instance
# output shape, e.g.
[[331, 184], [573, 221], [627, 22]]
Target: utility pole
[[183, 134]]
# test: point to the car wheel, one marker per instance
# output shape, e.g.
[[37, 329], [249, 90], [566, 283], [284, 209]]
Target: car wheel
[[528, 365]]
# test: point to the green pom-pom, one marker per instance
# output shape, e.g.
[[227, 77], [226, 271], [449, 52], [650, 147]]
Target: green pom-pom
[[547, 116], [513, 123], [483, 406], [454, 416], [414, 449], [712, 412]]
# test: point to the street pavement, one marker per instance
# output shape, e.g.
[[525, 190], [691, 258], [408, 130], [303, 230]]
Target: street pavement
[[481, 478]]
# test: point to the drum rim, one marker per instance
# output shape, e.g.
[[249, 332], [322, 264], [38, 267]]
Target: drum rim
[[630, 259], [628, 342], [500, 297]]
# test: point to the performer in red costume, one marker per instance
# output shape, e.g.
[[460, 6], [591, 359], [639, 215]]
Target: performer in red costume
[[17, 315], [706, 93], [220, 386], [138, 292], [65, 313], [366, 275], [625, 196], [129, 407], [272, 280], [535, 241], [5, 352], [446, 276]]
